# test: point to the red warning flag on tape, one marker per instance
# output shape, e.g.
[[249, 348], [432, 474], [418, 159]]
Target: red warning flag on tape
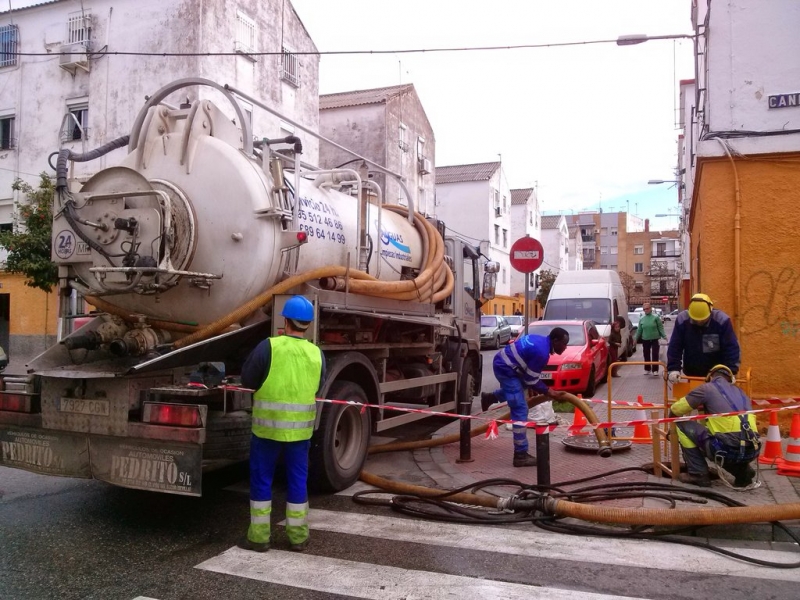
[[491, 431]]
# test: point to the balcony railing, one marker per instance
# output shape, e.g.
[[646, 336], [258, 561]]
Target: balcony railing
[[587, 238], [666, 255]]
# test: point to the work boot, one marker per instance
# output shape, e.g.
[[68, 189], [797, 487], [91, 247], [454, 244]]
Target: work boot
[[301, 547], [744, 477], [246, 544], [694, 479], [487, 400], [523, 459]]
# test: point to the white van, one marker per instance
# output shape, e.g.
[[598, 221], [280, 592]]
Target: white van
[[592, 294]]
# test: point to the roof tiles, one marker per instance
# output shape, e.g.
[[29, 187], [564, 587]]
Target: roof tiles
[[462, 173], [360, 97]]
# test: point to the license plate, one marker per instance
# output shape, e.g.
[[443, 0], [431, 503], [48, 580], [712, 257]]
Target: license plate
[[546, 375], [85, 407]]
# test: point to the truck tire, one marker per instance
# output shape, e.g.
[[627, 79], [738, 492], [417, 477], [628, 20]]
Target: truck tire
[[468, 389], [339, 446]]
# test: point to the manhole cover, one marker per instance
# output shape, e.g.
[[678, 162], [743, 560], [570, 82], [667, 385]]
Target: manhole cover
[[589, 443]]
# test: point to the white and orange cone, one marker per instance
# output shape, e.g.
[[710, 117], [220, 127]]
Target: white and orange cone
[[790, 465], [772, 449]]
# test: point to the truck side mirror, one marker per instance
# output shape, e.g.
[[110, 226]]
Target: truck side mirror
[[489, 284]]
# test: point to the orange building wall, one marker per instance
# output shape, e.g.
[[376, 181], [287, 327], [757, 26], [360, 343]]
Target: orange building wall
[[33, 318], [768, 319], [506, 305]]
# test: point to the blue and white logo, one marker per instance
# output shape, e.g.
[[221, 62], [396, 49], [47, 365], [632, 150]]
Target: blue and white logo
[[395, 239]]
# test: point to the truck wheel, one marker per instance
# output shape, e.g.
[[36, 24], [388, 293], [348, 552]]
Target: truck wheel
[[592, 385], [228, 435], [339, 446], [467, 390]]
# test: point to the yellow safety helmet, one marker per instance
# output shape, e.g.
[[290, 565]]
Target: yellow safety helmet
[[700, 307], [725, 369]]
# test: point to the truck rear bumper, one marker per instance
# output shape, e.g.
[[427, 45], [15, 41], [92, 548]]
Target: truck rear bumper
[[145, 464]]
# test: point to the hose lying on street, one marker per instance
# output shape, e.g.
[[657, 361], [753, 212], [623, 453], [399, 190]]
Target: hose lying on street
[[554, 507]]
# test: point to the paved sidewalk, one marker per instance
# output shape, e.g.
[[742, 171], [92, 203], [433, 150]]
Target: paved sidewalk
[[493, 459]]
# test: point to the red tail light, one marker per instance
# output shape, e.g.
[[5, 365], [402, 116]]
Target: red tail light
[[25, 403], [178, 415]]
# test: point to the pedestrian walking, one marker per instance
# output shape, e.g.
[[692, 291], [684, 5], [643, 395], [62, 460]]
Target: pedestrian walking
[[730, 442], [519, 366], [703, 337], [649, 331], [286, 372]]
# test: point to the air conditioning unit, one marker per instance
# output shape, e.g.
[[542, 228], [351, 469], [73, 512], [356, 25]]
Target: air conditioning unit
[[425, 166], [74, 57]]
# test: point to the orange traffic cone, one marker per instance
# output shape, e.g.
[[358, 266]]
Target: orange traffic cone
[[772, 449], [791, 464], [578, 423], [641, 432]]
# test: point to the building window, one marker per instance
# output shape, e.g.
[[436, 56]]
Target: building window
[[613, 231], [639, 285], [603, 249], [613, 249], [290, 71], [505, 204], [76, 123], [604, 231], [245, 34], [638, 249], [402, 132], [497, 234], [79, 27], [638, 267], [420, 147], [504, 274], [505, 238], [661, 249], [9, 34], [7, 133]]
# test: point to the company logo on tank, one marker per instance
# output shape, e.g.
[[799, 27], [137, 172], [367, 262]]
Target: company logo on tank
[[396, 240]]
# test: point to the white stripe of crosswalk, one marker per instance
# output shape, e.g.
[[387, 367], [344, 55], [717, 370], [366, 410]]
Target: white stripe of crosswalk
[[541, 544], [374, 582]]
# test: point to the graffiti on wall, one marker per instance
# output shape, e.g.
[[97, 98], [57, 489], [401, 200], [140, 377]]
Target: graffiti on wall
[[773, 301]]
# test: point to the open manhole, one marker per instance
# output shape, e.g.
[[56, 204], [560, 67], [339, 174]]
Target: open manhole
[[589, 443]]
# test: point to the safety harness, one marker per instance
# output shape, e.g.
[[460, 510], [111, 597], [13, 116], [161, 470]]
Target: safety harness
[[749, 442]]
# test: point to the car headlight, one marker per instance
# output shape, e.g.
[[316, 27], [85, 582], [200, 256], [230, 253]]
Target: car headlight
[[571, 366]]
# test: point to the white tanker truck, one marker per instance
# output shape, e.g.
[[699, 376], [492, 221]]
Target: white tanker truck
[[189, 249]]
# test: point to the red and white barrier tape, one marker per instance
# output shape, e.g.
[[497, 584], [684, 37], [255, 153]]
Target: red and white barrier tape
[[492, 433]]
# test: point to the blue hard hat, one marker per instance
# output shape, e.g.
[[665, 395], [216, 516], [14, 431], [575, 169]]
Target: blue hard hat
[[298, 308]]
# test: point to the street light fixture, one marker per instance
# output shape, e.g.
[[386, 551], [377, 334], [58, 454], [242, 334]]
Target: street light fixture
[[658, 181], [639, 38]]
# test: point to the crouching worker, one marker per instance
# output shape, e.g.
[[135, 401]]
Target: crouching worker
[[285, 372], [519, 366], [730, 442]]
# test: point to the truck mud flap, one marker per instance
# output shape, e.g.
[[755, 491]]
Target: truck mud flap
[[148, 465], [45, 452]]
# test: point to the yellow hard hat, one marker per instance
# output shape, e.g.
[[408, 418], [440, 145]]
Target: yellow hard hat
[[724, 368], [700, 307]]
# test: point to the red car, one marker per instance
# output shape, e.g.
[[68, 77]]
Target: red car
[[583, 364]]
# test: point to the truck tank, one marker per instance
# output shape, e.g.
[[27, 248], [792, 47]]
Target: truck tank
[[189, 226]]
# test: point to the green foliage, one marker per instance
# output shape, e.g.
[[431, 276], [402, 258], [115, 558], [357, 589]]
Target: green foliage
[[29, 246], [563, 407], [546, 281]]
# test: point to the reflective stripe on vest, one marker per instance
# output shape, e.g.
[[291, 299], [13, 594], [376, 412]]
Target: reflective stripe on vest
[[530, 377], [284, 407]]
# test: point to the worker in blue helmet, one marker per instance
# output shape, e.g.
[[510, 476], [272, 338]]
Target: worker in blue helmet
[[286, 373]]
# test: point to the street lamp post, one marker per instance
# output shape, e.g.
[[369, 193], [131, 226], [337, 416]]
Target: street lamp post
[[639, 38]]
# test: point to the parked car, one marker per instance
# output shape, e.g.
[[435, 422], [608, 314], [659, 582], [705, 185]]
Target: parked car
[[634, 317], [583, 364], [495, 330], [517, 324], [672, 315]]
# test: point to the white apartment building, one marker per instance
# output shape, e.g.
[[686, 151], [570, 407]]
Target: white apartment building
[[526, 220], [474, 201], [76, 93], [555, 241]]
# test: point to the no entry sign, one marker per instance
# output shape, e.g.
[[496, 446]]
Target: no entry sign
[[527, 254]]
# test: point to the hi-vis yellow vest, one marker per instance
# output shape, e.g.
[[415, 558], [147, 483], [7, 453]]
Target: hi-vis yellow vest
[[284, 407]]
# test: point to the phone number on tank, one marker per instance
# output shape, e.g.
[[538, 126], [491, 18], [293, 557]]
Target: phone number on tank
[[322, 234]]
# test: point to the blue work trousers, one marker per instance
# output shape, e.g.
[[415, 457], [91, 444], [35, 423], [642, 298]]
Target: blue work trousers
[[512, 391], [264, 455]]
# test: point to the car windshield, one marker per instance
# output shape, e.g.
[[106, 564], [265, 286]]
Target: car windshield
[[514, 320], [590, 309], [488, 321], [577, 337], [634, 317]]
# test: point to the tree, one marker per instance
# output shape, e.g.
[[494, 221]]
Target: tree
[[29, 247], [628, 284], [546, 281]]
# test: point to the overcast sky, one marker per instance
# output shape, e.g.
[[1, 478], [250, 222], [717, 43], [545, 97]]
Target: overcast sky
[[590, 124]]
